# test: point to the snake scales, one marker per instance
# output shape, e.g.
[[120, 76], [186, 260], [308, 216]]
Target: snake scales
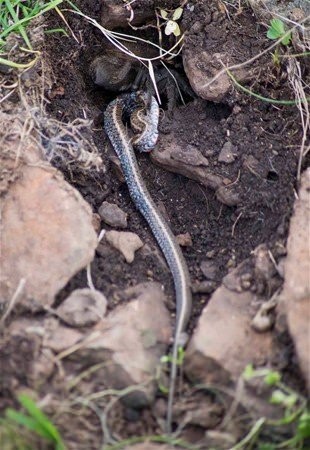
[[143, 111]]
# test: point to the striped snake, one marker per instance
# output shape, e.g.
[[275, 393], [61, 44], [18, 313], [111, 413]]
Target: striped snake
[[143, 111]]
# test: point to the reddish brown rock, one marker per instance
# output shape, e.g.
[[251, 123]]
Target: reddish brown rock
[[47, 237], [295, 298], [224, 342]]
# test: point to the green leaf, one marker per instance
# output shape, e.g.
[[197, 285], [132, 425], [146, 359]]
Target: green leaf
[[266, 447], [39, 416], [276, 30], [248, 372], [163, 13], [278, 26], [287, 39], [272, 378], [27, 422], [303, 427], [277, 397], [177, 14]]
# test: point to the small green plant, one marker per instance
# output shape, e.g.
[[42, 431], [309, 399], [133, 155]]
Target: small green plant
[[166, 359], [277, 30], [34, 421], [171, 18], [295, 412]]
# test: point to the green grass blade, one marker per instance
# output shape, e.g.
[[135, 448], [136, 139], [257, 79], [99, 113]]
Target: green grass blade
[[27, 422], [20, 28], [40, 417], [25, 20]]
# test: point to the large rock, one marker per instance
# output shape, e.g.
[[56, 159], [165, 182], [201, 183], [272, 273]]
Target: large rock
[[295, 297], [131, 342], [201, 69], [47, 237], [224, 342]]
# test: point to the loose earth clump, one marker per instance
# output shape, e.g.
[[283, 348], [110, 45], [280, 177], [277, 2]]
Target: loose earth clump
[[224, 171]]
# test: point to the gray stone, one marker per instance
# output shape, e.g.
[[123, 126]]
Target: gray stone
[[131, 342], [227, 154], [124, 241], [219, 350], [83, 307], [209, 269], [113, 215], [187, 161], [202, 67]]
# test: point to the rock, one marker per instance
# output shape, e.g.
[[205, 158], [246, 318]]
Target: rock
[[47, 237], [227, 154], [132, 343], [189, 162], [205, 287], [58, 337], [265, 317], [124, 241], [201, 67], [295, 298], [229, 195], [219, 350], [113, 215], [185, 240], [115, 14], [83, 307], [209, 269]]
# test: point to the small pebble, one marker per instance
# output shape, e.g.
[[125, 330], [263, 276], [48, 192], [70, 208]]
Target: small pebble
[[227, 154], [209, 269], [185, 240], [124, 241], [113, 215], [205, 287], [83, 307]]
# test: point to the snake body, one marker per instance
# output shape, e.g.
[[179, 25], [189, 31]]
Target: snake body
[[144, 110]]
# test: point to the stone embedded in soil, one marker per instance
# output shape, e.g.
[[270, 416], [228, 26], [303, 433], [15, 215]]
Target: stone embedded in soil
[[187, 161], [228, 153], [185, 240], [83, 308], [224, 342], [124, 241], [47, 237], [58, 337], [115, 13], [209, 269], [113, 215], [295, 297], [201, 67], [131, 342], [205, 287]]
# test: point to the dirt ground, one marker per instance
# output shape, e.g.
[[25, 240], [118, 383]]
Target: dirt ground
[[266, 139]]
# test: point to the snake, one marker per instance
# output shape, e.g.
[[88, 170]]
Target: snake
[[142, 110]]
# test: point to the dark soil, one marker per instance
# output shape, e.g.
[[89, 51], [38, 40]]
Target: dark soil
[[268, 133]]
